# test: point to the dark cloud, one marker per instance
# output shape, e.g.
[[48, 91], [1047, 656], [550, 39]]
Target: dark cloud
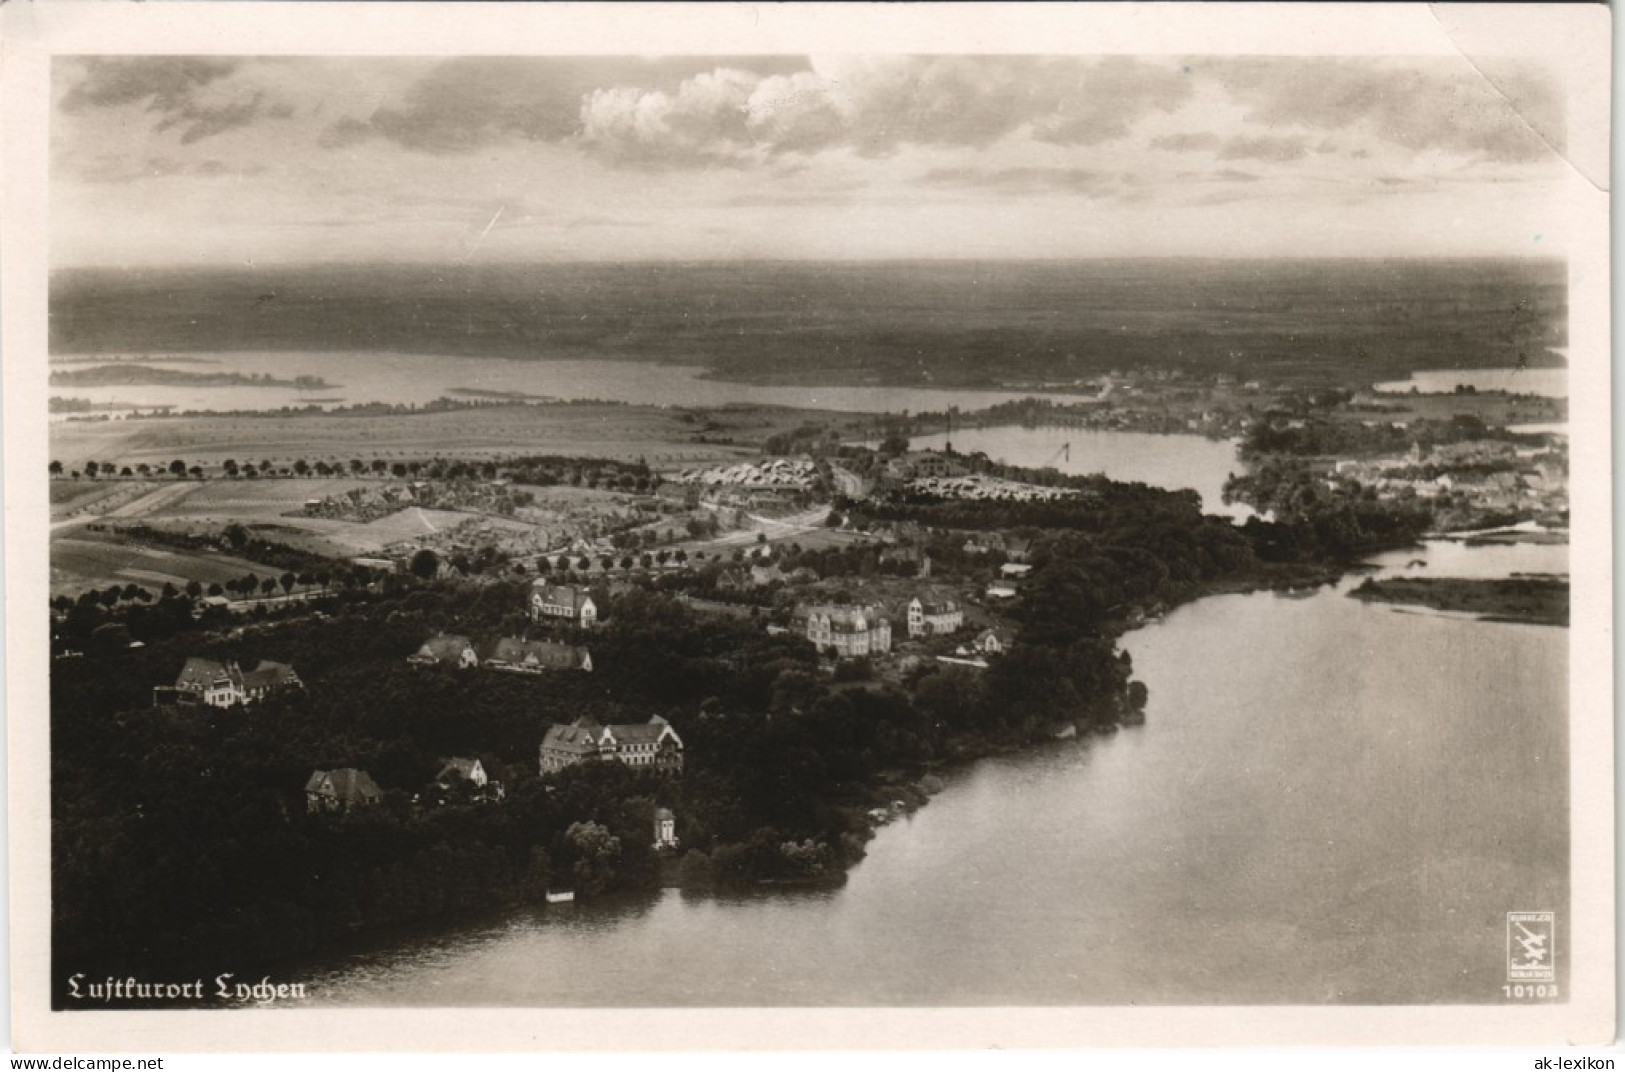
[[184, 92], [164, 83], [1501, 110], [1277, 150], [1181, 143]]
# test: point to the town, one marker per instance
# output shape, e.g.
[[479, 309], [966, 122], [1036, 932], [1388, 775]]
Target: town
[[468, 682]]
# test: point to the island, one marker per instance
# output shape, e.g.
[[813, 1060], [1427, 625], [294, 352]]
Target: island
[[1533, 599], [132, 375]]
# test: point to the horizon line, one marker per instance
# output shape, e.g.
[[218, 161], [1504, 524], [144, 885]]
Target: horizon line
[[1543, 257]]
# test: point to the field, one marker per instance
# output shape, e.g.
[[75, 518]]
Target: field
[[943, 323], [94, 560], [664, 438]]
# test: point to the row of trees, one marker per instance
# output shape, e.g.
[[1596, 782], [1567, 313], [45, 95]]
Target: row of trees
[[542, 470]]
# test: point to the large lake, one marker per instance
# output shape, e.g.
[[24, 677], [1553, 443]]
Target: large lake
[[1330, 801], [415, 379]]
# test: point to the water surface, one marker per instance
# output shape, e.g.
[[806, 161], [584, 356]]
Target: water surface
[[416, 379], [1330, 801], [1166, 461]]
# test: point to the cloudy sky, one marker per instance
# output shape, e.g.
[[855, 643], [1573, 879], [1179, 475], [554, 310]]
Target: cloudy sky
[[221, 161]]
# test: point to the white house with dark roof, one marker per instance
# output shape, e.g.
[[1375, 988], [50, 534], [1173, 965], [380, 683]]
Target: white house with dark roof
[[651, 744], [852, 631], [934, 612], [458, 769], [226, 684], [992, 641], [446, 650], [567, 602]]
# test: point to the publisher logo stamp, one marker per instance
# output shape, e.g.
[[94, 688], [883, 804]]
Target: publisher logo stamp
[[1531, 947]]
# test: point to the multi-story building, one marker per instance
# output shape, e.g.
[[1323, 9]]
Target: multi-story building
[[226, 684], [568, 602], [638, 744], [851, 631], [934, 612]]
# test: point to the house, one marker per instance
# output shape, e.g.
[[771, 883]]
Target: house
[[665, 829], [443, 650], [1015, 569], [1017, 548], [1001, 590], [521, 656], [983, 543], [908, 556], [851, 631], [638, 744], [341, 790], [762, 576], [461, 770], [226, 685], [992, 641], [934, 612], [567, 601], [929, 463]]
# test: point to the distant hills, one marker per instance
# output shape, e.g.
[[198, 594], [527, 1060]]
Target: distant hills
[[926, 323]]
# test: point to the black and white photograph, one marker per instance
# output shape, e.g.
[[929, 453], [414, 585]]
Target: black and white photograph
[[819, 515]]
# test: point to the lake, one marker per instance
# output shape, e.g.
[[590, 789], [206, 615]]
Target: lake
[[1330, 801], [416, 379], [1166, 461], [1550, 382]]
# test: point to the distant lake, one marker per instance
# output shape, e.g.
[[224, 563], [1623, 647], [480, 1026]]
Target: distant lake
[[416, 379], [1164, 461], [1550, 382]]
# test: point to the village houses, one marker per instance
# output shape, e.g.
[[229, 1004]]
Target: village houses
[[445, 650], [993, 641], [567, 602], [933, 613], [226, 684], [341, 790], [462, 770], [521, 656], [639, 744], [851, 631]]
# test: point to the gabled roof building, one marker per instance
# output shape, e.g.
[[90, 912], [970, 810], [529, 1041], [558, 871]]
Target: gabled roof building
[[653, 744], [341, 790], [225, 684], [568, 602], [522, 656], [446, 650]]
